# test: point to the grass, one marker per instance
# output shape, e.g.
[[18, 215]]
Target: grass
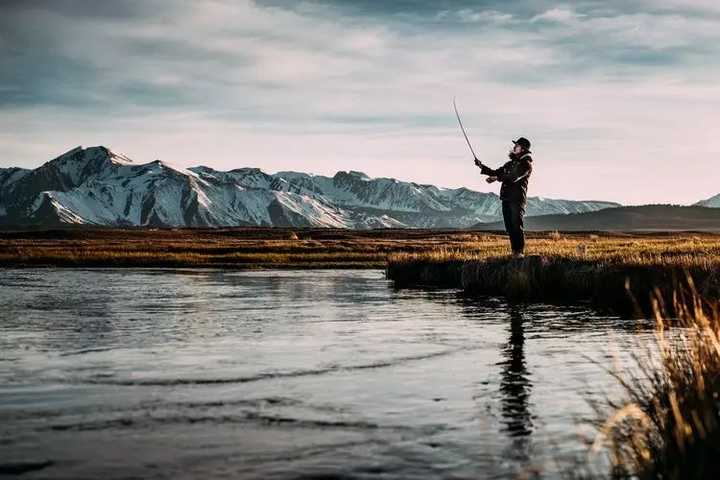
[[668, 423], [226, 248], [569, 268], [561, 267]]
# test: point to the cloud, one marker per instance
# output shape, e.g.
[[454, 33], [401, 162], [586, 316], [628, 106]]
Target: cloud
[[559, 15], [469, 15], [334, 83], [119, 10]]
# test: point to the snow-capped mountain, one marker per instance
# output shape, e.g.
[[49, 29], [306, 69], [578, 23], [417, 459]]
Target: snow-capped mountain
[[713, 202], [95, 186]]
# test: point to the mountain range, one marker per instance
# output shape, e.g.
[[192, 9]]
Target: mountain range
[[95, 186]]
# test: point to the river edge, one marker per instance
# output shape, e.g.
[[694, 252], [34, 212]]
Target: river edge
[[614, 272], [629, 290]]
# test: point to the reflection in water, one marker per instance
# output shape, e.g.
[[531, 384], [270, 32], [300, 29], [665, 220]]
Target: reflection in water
[[515, 386]]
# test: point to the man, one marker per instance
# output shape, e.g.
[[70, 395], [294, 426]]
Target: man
[[514, 176]]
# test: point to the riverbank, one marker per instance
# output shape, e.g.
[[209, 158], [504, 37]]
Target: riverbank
[[232, 248], [616, 274], [664, 425], [560, 267], [235, 248]]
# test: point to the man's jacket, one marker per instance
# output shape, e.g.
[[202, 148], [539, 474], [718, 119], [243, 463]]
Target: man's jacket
[[514, 176]]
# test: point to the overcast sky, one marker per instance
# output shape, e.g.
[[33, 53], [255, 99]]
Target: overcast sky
[[621, 99]]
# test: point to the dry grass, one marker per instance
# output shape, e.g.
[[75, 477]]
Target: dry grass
[[242, 247], [571, 267], [635, 249], [562, 266], [668, 424], [231, 248]]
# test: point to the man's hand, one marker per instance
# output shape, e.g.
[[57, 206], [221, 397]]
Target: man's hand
[[491, 179]]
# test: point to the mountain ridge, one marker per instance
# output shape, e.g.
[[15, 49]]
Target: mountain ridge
[[96, 186]]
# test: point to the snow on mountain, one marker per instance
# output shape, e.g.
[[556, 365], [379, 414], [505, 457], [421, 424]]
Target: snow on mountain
[[713, 202], [99, 187]]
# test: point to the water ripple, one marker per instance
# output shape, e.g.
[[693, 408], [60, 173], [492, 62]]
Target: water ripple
[[272, 375]]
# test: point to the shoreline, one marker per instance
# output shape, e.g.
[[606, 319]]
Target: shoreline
[[627, 290], [564, 267], [199, 266]]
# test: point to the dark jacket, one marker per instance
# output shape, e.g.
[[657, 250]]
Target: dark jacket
[[514, 176]]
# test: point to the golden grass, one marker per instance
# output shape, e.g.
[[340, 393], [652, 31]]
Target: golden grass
[[564, 267], [646, 249], [239, 248], [257, 247], [668, 424], [570, 267]]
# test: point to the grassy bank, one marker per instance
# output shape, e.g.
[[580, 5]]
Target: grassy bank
[[667, 423], [221, 248], [560, 268]]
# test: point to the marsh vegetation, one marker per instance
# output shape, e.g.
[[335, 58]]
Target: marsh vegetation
[[276, 247], [615, 272], [560, 267], [667, 422]]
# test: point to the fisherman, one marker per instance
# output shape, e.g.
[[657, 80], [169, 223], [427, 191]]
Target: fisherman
[[514, 176]]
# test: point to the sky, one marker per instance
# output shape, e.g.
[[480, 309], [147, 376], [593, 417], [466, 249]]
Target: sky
[[621, 99]]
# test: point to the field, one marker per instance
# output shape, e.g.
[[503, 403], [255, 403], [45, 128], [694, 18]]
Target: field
[[559, 267], [216, 248], [320, 248]]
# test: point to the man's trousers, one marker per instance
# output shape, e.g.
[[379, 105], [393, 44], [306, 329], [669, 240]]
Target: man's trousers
[[513, 213]]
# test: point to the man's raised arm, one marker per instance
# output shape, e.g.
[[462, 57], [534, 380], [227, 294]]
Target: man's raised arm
[[485, 170]]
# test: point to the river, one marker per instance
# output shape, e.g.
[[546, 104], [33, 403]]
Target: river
[[113, 373]]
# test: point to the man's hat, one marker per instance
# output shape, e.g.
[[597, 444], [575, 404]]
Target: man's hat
[[523, 142]]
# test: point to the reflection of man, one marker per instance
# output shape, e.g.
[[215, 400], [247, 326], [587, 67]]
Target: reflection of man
[[515, 386], [514, 176]]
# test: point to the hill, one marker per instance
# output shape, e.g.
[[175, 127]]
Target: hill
[[710, 202], [639, 218]]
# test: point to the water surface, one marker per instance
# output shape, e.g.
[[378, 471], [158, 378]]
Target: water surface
[[289, 374]]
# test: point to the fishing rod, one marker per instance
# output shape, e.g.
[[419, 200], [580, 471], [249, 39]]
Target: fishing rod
[[457, 114]]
